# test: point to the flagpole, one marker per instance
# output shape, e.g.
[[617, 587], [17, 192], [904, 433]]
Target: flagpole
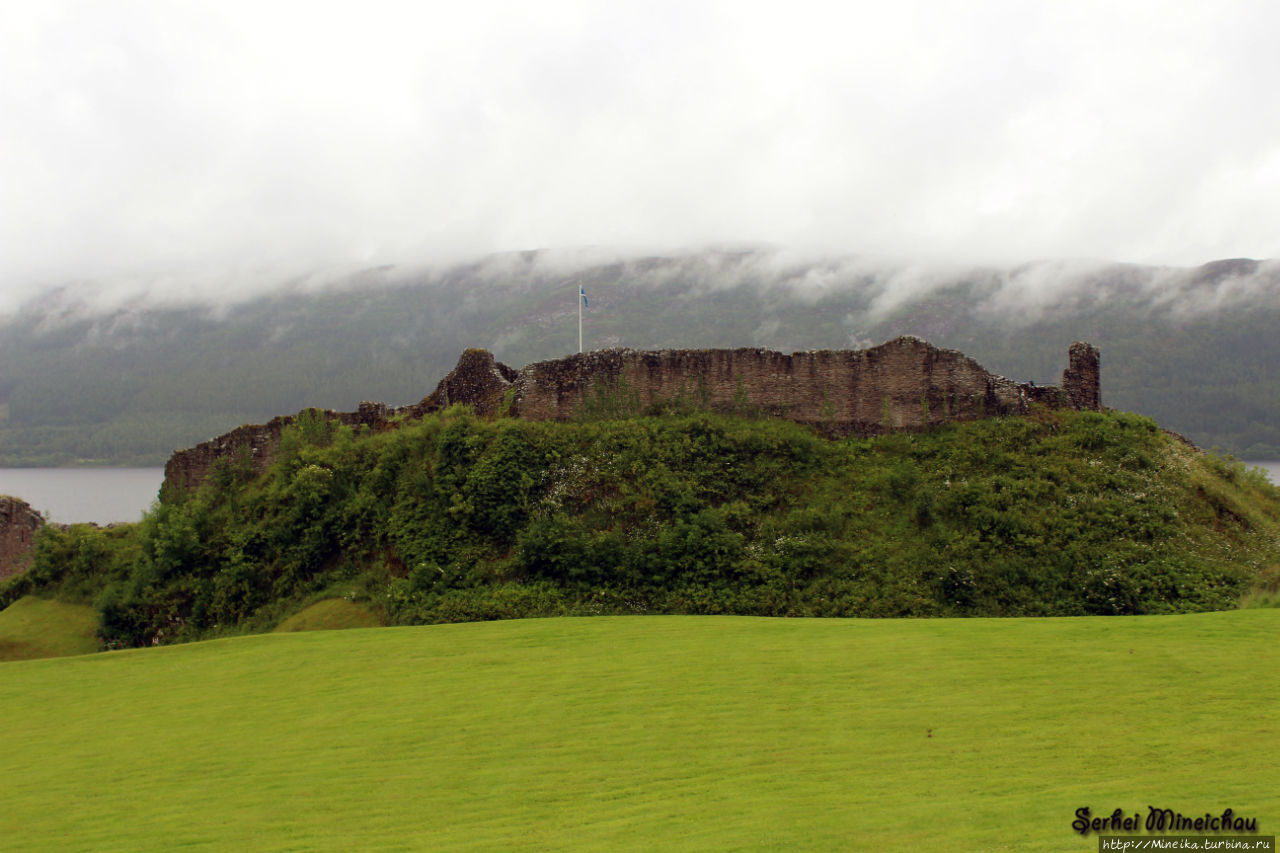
[[579, 295]]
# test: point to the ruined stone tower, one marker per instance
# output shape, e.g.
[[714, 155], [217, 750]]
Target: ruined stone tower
[[18, 526], [1081, 380]]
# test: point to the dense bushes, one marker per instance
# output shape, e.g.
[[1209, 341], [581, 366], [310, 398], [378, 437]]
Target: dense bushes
[[457, 518]]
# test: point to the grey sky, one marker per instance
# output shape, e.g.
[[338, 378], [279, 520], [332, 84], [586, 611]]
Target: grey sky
[[174, 142]]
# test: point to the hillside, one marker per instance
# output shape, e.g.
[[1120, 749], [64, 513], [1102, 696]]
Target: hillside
[[670, 733], [35, 628], [457, 518], [96, 382]]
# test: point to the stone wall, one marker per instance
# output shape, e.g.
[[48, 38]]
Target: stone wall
[[188, 468], [1082, 380], [478, 381], [18, 525], [906, 383]]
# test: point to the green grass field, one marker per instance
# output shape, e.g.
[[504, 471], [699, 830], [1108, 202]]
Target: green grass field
[[330, 614], [35, 628], [642, 733]]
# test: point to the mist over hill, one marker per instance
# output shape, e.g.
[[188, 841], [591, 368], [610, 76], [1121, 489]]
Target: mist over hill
[[90, 376]]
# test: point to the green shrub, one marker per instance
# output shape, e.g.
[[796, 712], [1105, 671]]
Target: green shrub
[[456, 517]]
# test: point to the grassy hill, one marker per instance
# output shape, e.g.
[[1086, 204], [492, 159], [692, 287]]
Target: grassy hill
[[627, 733], [456, 518], [330, 614], [35, 628]]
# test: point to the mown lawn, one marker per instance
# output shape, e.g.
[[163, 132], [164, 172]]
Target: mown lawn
[[685, 733]]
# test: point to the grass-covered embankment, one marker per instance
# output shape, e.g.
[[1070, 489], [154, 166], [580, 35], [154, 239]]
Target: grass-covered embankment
[[458, 519], [331, 614], [35, 628], [677, 733]]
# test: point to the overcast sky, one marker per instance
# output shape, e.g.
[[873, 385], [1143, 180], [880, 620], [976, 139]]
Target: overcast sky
[[173, 141]]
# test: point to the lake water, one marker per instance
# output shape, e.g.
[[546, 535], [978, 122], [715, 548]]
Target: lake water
[[104, 495], [70, 495], [1272, 468]]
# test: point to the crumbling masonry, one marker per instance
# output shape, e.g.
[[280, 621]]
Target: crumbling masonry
[[905, 384], [18, 525]]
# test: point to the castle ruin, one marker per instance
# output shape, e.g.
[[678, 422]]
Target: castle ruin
[[904, 384], [18, 526]]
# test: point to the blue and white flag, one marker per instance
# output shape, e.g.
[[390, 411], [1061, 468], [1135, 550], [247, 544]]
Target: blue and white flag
[[583, 294]]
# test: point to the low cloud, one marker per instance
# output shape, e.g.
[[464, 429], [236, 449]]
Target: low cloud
[[229, 148]]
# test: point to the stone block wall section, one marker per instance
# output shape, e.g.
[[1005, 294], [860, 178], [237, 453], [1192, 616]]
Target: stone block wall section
[[1082, 380], [478, 381], [906, 383], [18, 525]]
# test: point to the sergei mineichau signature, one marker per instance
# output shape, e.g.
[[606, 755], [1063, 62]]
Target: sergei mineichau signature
[[1162, 820]]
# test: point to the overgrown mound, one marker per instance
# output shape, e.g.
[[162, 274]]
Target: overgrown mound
[[459, 518]]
